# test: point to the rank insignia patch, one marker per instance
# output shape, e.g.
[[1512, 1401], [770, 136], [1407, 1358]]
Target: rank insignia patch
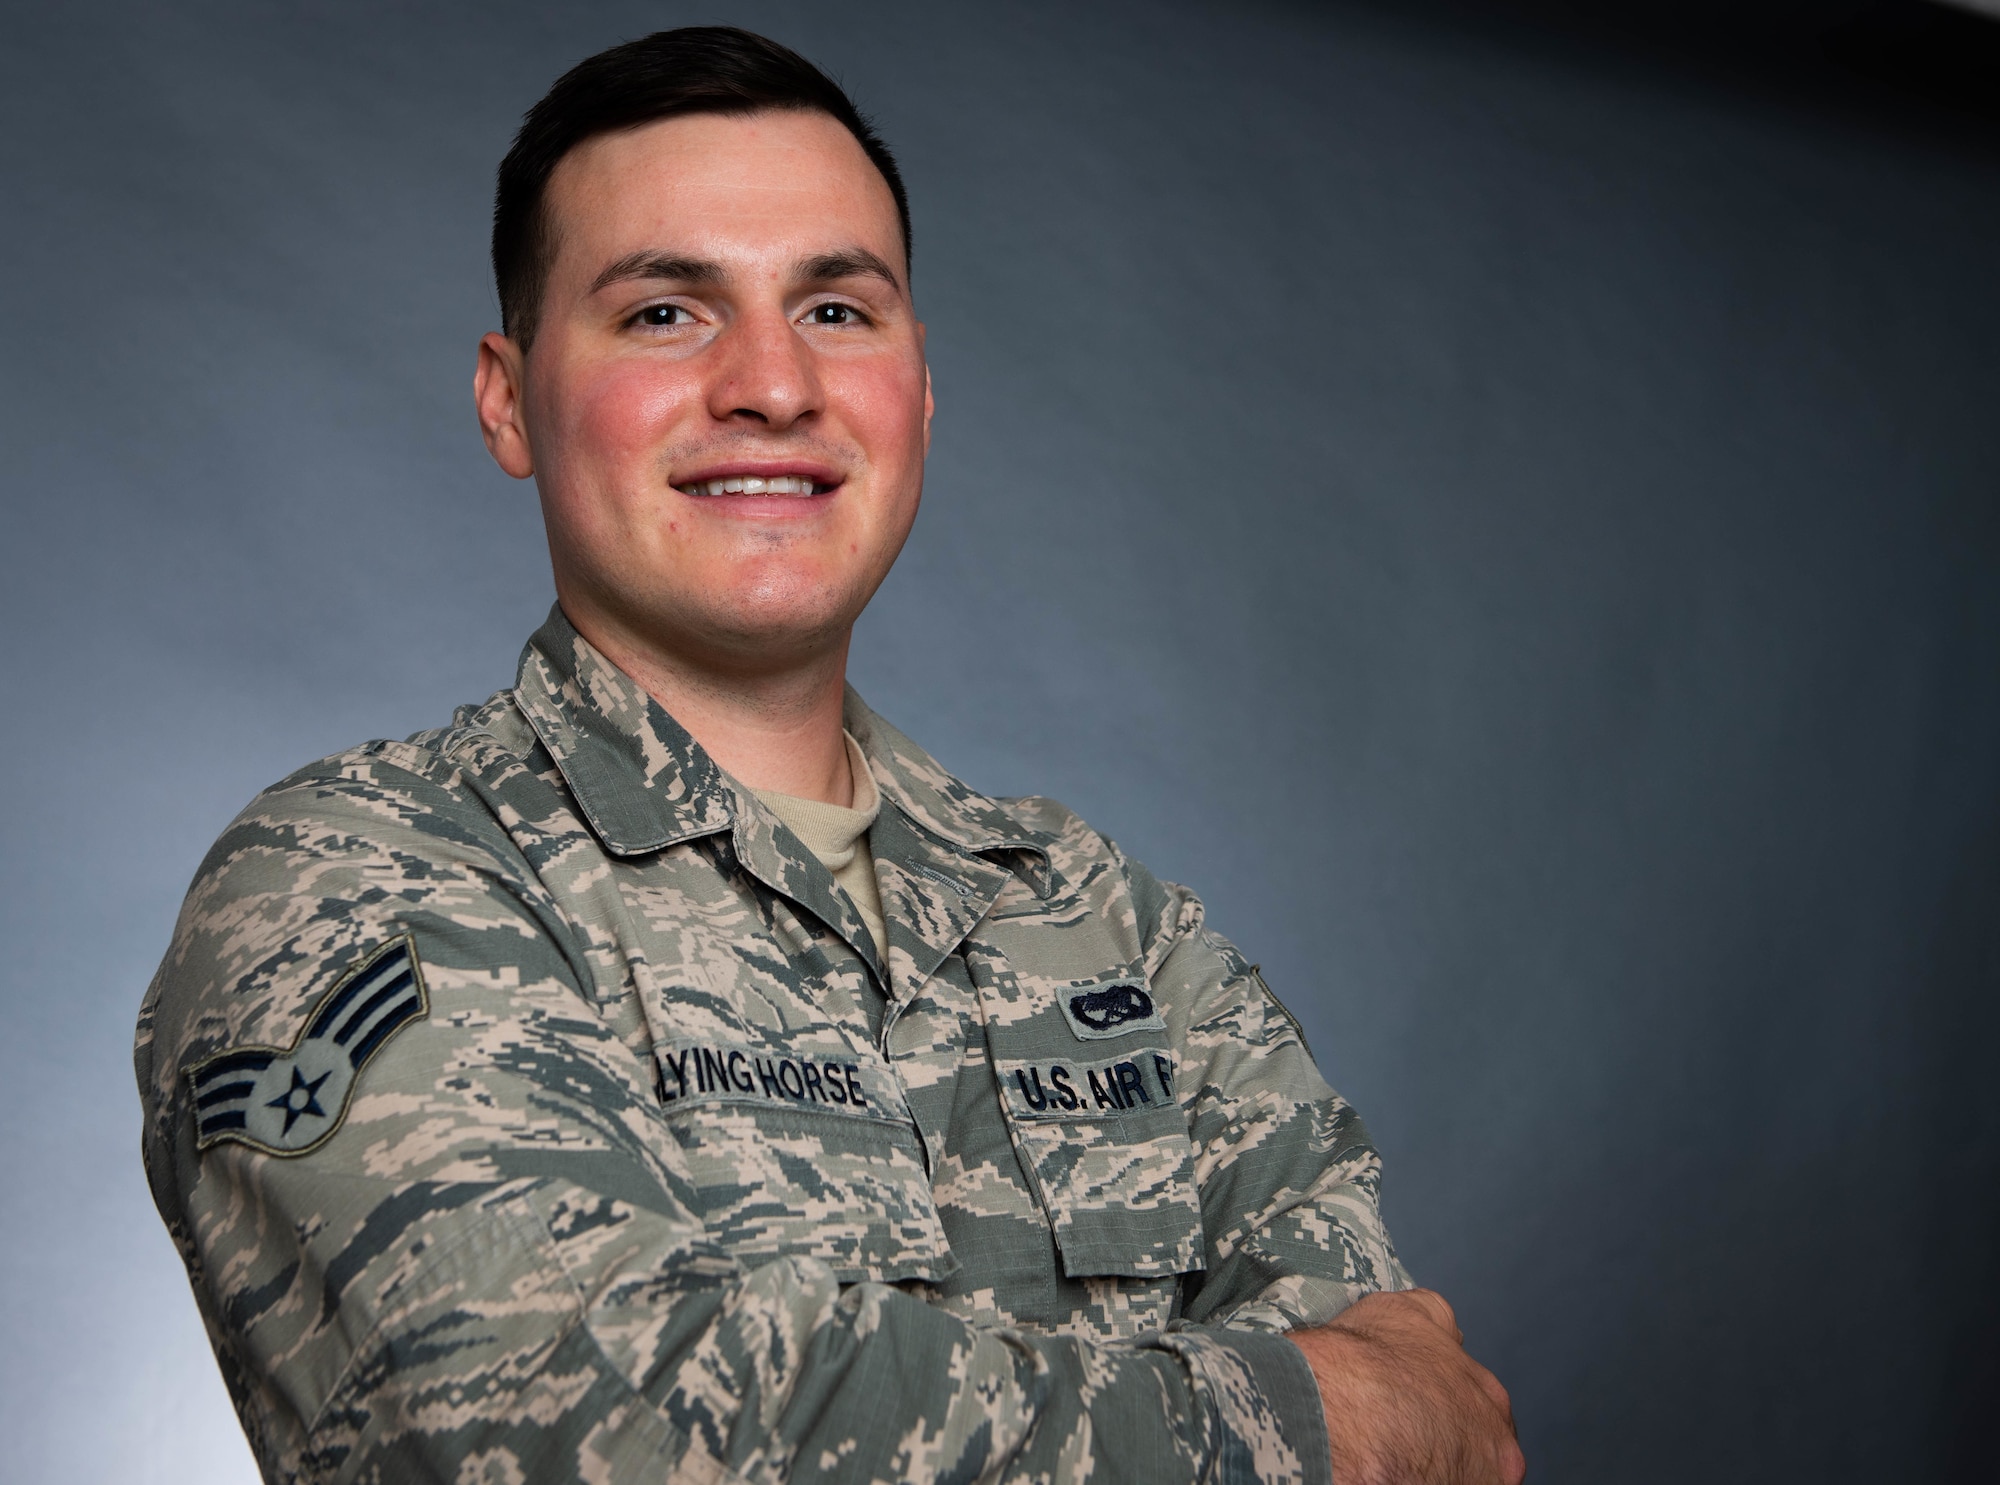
[[1110, 1010], [290, 1100]]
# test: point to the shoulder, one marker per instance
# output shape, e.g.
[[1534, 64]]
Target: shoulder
[[382, 793], [1093, 864], [384, 798], [382, 842]]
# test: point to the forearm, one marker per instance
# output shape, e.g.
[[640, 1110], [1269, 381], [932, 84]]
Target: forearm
[[541, 1328]]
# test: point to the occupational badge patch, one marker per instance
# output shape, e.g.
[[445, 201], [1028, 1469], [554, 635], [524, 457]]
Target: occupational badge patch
[[1110, 1010], [290, 1100]]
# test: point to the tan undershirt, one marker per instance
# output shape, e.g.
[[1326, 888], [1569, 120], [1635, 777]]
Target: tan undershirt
[[839, 837]]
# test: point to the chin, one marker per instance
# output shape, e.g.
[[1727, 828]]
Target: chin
[[778, 599], [791, 627]]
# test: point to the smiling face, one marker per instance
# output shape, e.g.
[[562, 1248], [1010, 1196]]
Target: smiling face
[[725, 404]]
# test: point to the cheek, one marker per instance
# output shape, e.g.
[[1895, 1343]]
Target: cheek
[[885, 409], [621, 412], [600, 484]]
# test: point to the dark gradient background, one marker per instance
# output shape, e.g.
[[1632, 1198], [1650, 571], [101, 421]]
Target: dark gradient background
[[1506, 506]]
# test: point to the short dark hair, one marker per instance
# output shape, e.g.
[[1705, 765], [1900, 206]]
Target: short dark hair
[[695, 69]]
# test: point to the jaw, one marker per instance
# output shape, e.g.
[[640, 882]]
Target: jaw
[[737, 583], [754, 593]]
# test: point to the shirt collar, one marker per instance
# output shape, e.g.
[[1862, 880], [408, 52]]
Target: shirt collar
[[938, 803], [644, 784]]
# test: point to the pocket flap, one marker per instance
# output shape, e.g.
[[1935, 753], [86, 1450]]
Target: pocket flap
[[1105, 1143]]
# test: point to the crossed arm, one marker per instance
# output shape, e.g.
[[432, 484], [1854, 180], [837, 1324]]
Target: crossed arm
[[498, 1259], [1404, 1403]]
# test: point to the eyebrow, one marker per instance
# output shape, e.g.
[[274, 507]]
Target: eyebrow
[[851, 262], [648, 263]]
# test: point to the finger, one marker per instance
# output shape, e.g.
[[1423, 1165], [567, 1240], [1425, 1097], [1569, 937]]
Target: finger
[[1490, 1385], [1437, 1309]]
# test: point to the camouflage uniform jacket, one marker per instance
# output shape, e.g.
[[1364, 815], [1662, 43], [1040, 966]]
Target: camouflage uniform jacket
[[528, 1104]]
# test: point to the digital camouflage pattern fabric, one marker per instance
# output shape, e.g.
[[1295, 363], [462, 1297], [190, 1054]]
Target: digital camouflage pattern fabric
[[660, 1171]]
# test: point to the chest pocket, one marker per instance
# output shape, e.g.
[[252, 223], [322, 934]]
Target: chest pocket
[[1087, 1084], [804, 1152]]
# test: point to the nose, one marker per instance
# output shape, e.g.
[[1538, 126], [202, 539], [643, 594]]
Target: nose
[[764, 373]]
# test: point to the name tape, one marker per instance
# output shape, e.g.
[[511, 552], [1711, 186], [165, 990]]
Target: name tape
[[695, 1071]]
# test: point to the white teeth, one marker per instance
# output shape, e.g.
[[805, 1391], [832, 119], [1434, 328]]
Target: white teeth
[[750, 484]]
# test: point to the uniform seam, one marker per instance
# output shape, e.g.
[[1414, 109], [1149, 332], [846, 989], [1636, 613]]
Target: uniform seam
[[1256, 976]]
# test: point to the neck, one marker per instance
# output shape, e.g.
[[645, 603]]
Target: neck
[[776, 729]]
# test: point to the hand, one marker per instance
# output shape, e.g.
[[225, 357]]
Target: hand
[[1404, 1404]]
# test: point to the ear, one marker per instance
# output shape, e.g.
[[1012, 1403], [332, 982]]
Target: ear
[[497, 393], [930, 402]]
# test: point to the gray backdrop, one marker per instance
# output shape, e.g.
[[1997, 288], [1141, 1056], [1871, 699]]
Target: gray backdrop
[[1511, 521]]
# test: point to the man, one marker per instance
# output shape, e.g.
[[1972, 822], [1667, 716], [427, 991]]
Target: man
[[667, 1070]]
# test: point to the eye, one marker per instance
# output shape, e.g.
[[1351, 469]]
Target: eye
[[833, 314], [662, 314]]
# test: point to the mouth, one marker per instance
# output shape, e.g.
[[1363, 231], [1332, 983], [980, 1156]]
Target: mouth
[[791, 481]]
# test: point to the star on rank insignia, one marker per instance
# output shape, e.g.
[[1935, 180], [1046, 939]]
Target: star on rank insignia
[[290, 1100]]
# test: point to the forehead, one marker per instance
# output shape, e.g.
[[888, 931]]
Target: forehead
[[759, 184]]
